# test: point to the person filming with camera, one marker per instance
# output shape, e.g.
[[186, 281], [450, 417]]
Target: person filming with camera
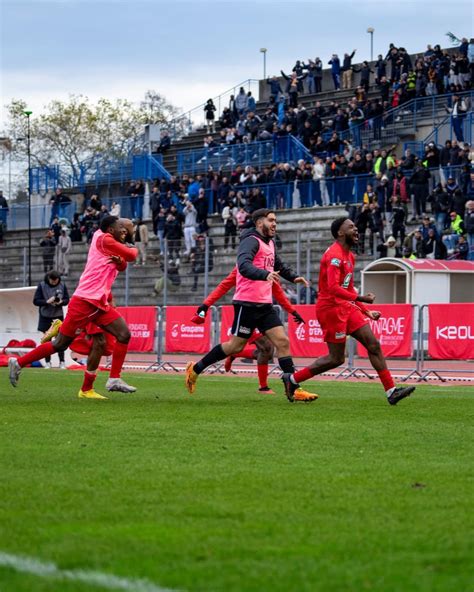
[[50, 296]]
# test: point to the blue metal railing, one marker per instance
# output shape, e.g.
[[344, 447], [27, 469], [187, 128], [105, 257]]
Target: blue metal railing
[[96, 172], [402, 120], [443, 132], [257, 154], [279, 195]]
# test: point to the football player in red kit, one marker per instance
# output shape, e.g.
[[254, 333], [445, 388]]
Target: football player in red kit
[[342, 312]]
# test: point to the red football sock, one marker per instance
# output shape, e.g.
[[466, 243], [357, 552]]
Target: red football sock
[[386, 379], [38, 353], [118, 358], [88, 383], [262, 370], [302, 375]]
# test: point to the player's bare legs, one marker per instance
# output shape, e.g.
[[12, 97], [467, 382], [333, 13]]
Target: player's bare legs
[[120, 331], [366, 337]]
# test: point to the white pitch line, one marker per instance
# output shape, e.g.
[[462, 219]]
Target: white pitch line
[[49, 570]]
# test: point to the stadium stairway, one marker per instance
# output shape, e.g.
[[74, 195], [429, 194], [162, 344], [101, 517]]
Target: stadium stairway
[[312, 224]]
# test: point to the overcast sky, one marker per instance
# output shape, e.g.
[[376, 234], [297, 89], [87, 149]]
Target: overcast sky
[[189, 51]]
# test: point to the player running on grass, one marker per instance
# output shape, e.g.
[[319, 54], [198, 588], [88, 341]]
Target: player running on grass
[[93, 341], [341, 312], [264, 348], [258, 266], [91, 303]]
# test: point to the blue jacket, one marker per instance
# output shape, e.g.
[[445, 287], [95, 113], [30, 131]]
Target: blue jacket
[[335, 65]]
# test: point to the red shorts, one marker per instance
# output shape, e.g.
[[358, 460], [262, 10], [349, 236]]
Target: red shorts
[[337, 322], [80, 313]]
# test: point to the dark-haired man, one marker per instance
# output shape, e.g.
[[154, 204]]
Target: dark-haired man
[[91, 303], [341, 312], [258, 266]]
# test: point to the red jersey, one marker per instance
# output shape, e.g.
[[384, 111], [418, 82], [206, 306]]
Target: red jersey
[[336, 278]]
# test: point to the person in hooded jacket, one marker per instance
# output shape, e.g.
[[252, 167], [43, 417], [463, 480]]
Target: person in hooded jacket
[[50, 297]]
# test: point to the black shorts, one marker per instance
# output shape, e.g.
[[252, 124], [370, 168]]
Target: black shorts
[[249, 318]]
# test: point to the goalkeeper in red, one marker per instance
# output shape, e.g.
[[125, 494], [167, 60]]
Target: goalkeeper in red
[[342, 312]]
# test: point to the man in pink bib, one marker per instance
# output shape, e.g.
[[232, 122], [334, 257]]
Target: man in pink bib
[[258, 266], [91, 303]]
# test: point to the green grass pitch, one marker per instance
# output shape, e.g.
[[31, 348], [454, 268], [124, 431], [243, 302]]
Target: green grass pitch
[[236, 491]]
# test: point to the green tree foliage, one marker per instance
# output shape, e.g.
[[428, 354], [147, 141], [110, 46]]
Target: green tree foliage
[[76, 130]]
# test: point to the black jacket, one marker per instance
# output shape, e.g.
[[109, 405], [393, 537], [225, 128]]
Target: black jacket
[[248, 248]]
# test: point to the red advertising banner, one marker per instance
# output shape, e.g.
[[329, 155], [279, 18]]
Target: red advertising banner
[[451, 331], [227, 317], [394, 330], [306, 341], [182, 335], [141, 321]]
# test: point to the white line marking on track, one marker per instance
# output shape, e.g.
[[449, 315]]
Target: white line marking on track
[[49, 570]]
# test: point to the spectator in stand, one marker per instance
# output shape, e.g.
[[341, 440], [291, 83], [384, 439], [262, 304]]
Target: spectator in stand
[[380, 69], [141, 241], [441, 206], [63, 249], [202, 209], [50, 297], [413, 245], [376, 226], [469, 227], [426, 226], [3, 210], [115, 209], [458, 115], [461, 250], [369, 195], [251, 103], [293, 86], [241, 217], [48, 249], [275, 88], [55, 203], [419, 190], [190, 216], [347, 70], [433, 247], [319, 174], [56, 228], [452, 234], [389, 248], [470, 58], [159, 223], [136, 192], [165, 143], [365, 72], [398, 218], [198, 258], [335, 64], [95, 202], [209, 110], [76, 234], [173, 234], [241, 102], [230, 224], [155, 206], [362, 223]]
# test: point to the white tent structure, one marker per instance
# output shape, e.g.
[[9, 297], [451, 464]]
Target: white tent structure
[[419, 281]]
